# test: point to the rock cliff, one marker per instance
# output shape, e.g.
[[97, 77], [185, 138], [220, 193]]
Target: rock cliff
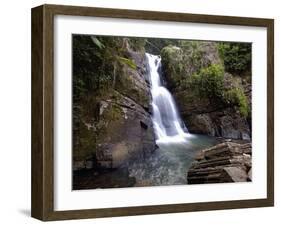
[[211, 100], [114, 124]]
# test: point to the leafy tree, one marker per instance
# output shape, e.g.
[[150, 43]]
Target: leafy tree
[[209, 82], [236, 96]]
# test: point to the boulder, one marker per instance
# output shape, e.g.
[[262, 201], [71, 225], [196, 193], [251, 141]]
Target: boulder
[[226, 123], [201, 123], [232, 125], [224, 162], [236, 174], [126, 132], [132, 84]]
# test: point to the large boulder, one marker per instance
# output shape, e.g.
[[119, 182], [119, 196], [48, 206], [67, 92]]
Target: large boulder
[[225, 162], [201, 124], [225, 123], [126, 132]]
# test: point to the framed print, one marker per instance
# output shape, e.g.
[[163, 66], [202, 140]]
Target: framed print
[[141, 112]]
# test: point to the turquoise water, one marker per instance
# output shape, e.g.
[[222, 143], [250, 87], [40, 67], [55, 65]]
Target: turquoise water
[[168, 165]]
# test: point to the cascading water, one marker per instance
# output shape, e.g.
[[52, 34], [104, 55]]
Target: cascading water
[[167, 124], [169, 163]]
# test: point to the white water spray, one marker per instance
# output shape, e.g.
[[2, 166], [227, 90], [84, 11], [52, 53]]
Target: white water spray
[[168, 127]]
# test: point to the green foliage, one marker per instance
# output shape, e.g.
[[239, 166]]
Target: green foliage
[[97, 42], [236, 96], [96, 61], [236, 56], [184, 60], [193, 54], [209, 82], [172, 61], [128, 62], [187, 68], [112, 113], [90, 70], [86, 145]]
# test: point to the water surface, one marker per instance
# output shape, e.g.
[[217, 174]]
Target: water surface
[[169, 165]]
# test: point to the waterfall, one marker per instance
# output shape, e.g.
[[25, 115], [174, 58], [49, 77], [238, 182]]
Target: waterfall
[[168, 126]]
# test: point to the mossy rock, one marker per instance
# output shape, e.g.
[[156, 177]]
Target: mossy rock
[[84, 142], [173, 65], [130, 84]]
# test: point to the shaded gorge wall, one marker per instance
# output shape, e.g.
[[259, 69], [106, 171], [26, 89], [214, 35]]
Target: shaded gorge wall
[[111, 102]]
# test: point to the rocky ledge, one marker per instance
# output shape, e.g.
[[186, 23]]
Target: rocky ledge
[[224, 162]]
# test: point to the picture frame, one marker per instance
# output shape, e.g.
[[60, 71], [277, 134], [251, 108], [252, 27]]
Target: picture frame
[[43, 178]]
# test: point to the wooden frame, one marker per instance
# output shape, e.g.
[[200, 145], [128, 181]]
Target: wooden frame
[[43, 119]]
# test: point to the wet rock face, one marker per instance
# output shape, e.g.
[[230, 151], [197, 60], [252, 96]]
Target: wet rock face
[[133, 83], [225, 162], [222, 123], [201, 123], [128, 135]]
